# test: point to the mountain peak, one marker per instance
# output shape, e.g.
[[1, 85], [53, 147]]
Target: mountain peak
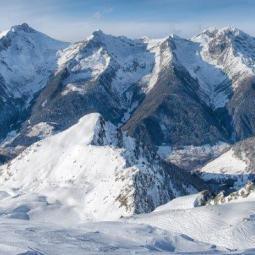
[[228, 31], [23, 27], [174, 36], [99, 35], [231, 29], [98, 32]]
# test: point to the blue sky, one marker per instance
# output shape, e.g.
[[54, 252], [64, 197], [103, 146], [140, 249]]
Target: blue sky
[[72, 20]]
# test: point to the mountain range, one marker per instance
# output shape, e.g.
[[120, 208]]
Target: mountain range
[[110, 127]]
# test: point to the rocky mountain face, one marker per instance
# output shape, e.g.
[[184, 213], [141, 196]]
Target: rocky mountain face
[[27, 60], [166, 107], [233, 52]]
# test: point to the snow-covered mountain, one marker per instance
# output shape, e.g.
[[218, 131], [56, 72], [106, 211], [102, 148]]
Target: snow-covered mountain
[[27, 59], [93, 167], [110, 127], [152, 86], [231, 50]]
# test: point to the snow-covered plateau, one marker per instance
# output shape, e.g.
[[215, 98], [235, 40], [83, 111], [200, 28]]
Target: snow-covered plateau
[[114, 145]]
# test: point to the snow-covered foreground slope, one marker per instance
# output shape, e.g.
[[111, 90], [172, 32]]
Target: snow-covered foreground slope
[[230, 225], [19, 237], [184, 202], [170, 229]]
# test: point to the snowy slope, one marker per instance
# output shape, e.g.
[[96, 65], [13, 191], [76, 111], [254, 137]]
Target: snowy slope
[[227, 167], [66, 167], [229, 225], [162, 59], [184, 202], [176, 227], [28, 238], [233, 167], [227, 163]]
